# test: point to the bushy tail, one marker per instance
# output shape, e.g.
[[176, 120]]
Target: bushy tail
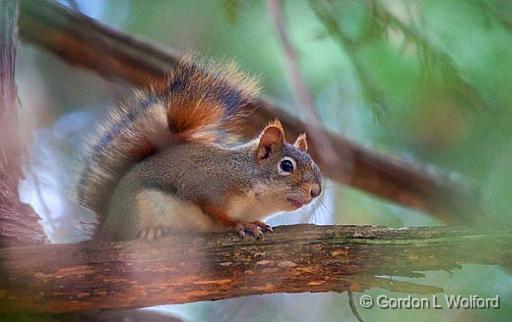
[[197, 103]]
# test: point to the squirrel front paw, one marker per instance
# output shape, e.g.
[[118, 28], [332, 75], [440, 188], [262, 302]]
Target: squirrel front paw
[[256, 228], [153, 232]]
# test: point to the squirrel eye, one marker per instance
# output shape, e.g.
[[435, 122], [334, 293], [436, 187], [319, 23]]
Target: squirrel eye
[[286, 166]]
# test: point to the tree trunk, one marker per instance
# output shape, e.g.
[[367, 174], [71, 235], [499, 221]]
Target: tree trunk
[[19, 224]]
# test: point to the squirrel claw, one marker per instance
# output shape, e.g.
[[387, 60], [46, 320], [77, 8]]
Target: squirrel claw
[[256, 228], [153, 232], [264, 226], [240, 231]]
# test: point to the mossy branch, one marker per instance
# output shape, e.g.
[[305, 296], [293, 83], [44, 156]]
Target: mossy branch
[[180, 269]]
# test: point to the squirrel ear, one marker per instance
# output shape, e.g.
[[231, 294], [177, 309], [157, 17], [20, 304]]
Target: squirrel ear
[[301, 143], [271, 139]]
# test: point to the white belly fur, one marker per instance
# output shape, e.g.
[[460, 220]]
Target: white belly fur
[[158, 208], [258, 204]]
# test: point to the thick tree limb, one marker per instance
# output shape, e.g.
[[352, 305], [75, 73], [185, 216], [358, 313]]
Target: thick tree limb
[[19, 224], [95, 316], [84, 42], [300, 258]]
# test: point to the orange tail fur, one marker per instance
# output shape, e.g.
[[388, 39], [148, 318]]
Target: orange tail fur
[[197, 103]]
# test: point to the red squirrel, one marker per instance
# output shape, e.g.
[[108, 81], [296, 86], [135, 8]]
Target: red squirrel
[[160, 161]]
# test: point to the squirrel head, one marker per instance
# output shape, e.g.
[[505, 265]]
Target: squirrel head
[[287, 169]]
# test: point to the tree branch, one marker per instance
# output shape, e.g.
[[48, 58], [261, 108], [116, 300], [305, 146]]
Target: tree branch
[[94, 316], [84, 42], [19, 224], [180, 269]]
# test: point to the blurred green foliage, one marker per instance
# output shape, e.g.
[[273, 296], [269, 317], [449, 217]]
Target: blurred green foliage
[[427, 80]]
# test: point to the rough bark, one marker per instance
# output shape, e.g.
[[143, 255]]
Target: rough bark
[[95, 316], [300, 258], [84, 42], [19, 224]]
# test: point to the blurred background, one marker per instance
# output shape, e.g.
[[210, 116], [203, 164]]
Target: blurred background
[[428, 81]]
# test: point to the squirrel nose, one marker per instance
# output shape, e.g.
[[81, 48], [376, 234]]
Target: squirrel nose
[[315, 190]]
